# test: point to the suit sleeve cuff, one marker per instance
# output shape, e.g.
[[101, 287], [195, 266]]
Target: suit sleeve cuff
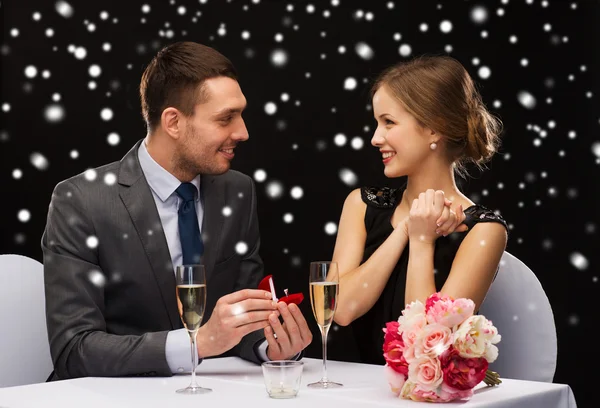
[[177, 351]]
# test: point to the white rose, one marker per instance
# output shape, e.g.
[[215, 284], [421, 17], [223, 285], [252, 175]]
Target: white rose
[[475, 337], [413, 316]]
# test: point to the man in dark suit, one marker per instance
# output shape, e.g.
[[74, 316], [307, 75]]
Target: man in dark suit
[[114, 235]]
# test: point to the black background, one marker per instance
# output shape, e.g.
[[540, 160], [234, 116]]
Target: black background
[[544, 181]]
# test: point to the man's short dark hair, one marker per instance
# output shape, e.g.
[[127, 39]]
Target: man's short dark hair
[[175, 78]]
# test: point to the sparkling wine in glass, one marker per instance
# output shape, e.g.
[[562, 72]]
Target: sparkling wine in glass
[[191, 301], [324, 289]]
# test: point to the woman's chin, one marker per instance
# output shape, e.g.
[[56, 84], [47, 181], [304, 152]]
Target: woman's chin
[[391, 172]]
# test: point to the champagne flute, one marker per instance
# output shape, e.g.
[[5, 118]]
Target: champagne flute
[[324, 288], [191, 301]]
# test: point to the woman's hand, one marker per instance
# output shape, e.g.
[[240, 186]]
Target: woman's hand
[[431, 216]]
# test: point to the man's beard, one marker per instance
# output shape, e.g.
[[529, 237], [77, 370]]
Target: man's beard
[[187, 162]]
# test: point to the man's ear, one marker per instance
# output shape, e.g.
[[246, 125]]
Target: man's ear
[[172, 122]]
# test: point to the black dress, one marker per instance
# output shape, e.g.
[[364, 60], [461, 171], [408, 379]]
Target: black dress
[[381, 203]]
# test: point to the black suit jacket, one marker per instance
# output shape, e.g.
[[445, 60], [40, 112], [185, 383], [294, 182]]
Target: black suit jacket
[[110, 306]]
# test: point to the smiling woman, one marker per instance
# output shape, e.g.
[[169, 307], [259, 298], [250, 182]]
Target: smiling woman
[[430, 122]]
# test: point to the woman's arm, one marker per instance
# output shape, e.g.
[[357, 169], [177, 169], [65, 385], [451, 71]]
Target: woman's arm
[[473, 268], [361, 285]]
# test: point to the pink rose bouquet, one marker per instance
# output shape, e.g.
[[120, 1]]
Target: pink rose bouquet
[[439, 351]]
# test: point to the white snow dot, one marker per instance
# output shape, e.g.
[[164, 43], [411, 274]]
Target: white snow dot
[[113, 139], [90, 174], [479, 14], [106, 47], [526, 99], [279, 58], [260, 175], [364, 50], [484, 72], [288, 218], [97, 278], [91, 242], [45, 74], [445, 26], [270, 108], [14, 32], [340, 139], [405, 50], [24, 215], [38, 161], [64, 9], [348, 177], [513, 39], [274, 189], [17, 174], [241, 248], [106, 114], [74, 154], [226, 211], [285, 97], [181, 10], [330, 228], [49, 32], [357, 143], [110, 179], [145, 9], [103, 15], [30, 71], [80, 53], [37, 16], [423, 27], [596, 149], [94, 70], [296, 192], [350, 84], [245, 35], [579, 261]]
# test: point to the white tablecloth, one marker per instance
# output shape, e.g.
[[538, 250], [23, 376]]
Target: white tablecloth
[[237, 383]]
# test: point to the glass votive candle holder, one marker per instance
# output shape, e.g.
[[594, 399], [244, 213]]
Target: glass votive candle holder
[[282, 378]]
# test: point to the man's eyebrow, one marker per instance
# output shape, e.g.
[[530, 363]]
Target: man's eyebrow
[[229, 111]]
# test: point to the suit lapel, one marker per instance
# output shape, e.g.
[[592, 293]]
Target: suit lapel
[[137, 198], [213, 198]]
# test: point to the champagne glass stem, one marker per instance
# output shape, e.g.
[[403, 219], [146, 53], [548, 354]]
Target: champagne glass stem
[[194, 357], [324, 332]]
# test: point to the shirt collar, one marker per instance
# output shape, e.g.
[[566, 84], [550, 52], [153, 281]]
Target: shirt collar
[[159, 179]]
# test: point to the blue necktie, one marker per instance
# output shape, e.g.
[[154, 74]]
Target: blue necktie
[[189, 231]]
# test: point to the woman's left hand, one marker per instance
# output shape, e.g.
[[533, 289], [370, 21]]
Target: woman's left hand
[[430, 217]]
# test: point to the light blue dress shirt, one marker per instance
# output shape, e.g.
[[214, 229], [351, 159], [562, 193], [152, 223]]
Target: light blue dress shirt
[[163, 185]]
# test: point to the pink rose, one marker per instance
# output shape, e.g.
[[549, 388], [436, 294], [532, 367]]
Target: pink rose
[[450, 312], [433, 340], [462, 373], [393, 347], [448, 393], [391, 332], [395, 379], [394, 357], [426, 372], [432, 299]]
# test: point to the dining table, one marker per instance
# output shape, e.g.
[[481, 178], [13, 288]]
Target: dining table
[[239, 384]]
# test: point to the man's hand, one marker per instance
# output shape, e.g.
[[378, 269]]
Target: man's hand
[[234, 316], [291, 337]]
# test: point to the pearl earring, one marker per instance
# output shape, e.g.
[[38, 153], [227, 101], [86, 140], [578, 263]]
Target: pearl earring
[[433, 146]]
